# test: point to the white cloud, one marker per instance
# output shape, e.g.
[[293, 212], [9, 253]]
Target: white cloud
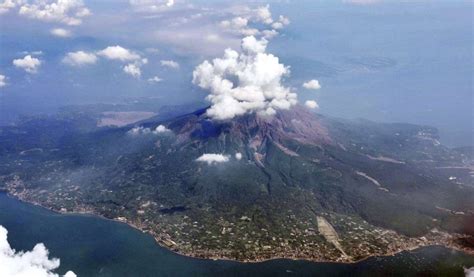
[[311, 104], [135, 131], [284, 20], [213, 158], [238, 156], [133, 70], [24, 264], [3, 80], [244, 83], [264, 15], [60, 32], [170, 64], [28, 63], [118, 53], [313, 84], [469, 272], [6, 5], [150, 6], [247, 17], [161, 129], [269, 34], [79, 58], [68, 12], [140, 130], [155, 79]]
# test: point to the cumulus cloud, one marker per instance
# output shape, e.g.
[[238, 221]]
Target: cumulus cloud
[[213, 158], [170, 64], [244, 83], [150, 6], [239, 25], [28, 63], [3, 80], [238, 156], [313, 84], [132, 70], [247, 17], [155, 79], [140, 130], [311, 104], [161, 129], [60, 32], [264, 15], [79, 58], [69, 12], [31, 263], [118, 53]]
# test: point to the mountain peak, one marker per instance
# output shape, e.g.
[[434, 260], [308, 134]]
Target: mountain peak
[[297, 123]]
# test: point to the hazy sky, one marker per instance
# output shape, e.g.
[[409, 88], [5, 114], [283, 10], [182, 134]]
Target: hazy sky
[[385, 61]]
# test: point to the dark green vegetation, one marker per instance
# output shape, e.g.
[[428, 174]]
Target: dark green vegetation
[[383, 187], [92, 247]]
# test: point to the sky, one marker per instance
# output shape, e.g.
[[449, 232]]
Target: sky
[[388, 61]]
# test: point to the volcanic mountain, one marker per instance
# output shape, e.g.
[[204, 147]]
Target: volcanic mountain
[[294, 185]]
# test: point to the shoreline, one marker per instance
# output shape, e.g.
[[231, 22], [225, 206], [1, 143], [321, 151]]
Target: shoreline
[[254, 261]]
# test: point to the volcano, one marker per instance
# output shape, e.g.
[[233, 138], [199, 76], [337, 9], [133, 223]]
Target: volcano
[[294, 185]]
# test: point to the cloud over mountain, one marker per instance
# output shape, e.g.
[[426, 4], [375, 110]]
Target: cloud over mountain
[[30, 263], [140, 130], [311, 104], [245, 82], [213, 158]]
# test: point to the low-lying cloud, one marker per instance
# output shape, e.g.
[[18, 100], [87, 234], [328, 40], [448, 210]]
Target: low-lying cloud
[[245, 82], [213, 158], [140, 130], [24, 264], [311, 104]]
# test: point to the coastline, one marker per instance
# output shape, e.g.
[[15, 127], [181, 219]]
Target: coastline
[[175, 250]]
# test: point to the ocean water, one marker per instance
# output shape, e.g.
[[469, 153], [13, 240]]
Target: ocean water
[[92, 246]]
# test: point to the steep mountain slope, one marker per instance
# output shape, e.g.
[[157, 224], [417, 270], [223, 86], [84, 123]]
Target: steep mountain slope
[[301, 186]]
